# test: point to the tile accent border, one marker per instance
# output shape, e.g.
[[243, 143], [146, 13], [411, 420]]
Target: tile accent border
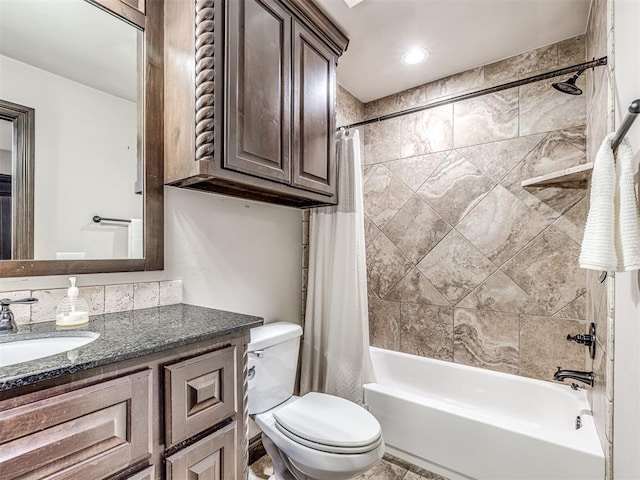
[[101, 299], [599, 93]]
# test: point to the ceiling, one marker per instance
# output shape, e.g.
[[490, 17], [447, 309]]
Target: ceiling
[[459, 35], [100, 51], [73, 39]]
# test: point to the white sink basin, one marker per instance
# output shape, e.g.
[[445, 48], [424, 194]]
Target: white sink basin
[[18, 351]]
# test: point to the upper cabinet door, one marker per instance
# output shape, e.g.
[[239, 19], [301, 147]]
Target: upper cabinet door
[[259, 90], [314, 67]]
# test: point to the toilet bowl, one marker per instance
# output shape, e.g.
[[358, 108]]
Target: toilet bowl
[[316, 436]]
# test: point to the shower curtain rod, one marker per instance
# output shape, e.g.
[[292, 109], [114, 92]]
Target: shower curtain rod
[[466, 96]]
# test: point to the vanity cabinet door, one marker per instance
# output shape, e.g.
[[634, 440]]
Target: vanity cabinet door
[[212, 458], [89, 433], [199, 393], [314, 97], [146, 474], [137, 4], [259, 125]]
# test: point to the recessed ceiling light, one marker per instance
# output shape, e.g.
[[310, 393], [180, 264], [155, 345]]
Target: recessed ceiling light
[[415, 55], [352, 3]]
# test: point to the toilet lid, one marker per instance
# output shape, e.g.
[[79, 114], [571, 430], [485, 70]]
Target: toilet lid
[[330, 421]]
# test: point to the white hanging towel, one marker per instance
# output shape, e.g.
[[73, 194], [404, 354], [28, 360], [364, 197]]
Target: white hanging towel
[[598, 244], [136, 237], [611, 239], [627, 223]]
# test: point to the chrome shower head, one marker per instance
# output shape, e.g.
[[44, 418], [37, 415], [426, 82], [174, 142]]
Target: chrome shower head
[[569, 86]]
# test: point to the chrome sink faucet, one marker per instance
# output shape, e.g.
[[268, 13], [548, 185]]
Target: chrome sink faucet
[[7, 323], [584, 377]]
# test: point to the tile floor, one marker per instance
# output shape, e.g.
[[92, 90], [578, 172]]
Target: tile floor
[[388, 468]]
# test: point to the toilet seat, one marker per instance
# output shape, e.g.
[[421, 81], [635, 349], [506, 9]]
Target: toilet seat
[[329, 424], [314, 462]]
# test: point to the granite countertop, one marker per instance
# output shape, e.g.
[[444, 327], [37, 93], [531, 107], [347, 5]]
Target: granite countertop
[[123, 336]]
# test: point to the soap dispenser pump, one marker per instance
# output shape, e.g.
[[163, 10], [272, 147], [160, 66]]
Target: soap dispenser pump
[[73, 309]]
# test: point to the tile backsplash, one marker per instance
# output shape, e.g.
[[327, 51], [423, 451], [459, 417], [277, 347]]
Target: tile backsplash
[[101, 299]]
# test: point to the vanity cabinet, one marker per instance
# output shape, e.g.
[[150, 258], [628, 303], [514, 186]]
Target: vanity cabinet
[[90, 432], [148, 473], [250, 99], [210, 458], [137, 4], [198, 393], [178, 414]]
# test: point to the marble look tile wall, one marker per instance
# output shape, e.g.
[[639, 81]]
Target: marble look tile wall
[[600, 299], [348, 108], [101, 299], [552, 57], [463, 263]]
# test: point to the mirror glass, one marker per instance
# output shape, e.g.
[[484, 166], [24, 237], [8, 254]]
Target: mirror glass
[[77, 67]]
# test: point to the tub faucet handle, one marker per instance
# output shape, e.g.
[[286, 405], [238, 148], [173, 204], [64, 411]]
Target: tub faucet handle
[[588, 340], [581, 339]]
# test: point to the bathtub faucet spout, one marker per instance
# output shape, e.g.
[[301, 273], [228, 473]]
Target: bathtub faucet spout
[[584, 377]]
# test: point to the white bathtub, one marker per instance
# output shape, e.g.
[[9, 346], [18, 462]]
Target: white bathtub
[[465, 422]]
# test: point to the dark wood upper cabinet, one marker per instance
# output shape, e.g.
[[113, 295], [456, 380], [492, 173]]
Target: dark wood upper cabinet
[[250, 99], [314, 165], [259, 116]]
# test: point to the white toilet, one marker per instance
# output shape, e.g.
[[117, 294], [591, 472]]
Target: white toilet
[[313, 437]]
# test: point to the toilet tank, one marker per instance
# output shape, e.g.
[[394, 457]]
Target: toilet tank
[[273, 362]]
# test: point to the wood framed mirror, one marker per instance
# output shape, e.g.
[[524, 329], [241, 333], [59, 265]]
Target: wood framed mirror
[[36, 246]]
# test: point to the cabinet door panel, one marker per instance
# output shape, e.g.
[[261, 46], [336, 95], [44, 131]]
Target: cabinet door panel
[[199, 392], [137, 4], [146, 474], [259, 89], [91, 432], [212, 458], [314, 113]]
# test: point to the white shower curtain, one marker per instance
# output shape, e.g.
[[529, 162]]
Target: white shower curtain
[[335, 348]]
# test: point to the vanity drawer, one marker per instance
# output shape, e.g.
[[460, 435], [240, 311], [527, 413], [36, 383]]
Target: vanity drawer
[[211, 457], [91, 432], [199, 393], [146, 474]]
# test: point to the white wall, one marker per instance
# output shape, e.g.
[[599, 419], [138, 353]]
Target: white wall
[[626, 441], [6, 162], [85, 149], [235, 255], [230, 254]]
